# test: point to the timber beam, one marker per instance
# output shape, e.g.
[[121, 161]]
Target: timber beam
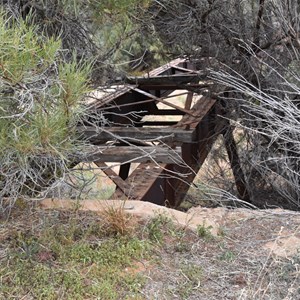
[[126, 154], [176, 79], [159, 134]]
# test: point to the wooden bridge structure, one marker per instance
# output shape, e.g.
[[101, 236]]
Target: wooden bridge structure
[[171, 145]]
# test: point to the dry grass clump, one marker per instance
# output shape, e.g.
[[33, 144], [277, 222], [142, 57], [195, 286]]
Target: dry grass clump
[[117, 221]]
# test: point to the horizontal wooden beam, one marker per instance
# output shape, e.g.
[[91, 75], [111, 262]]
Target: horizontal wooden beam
[[164, 79], [123, 154], [184, 70], [136, 134], [165, 112], [158, 123], [172, 87]]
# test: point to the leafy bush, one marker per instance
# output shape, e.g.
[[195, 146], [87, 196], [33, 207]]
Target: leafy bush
[[40, 97]]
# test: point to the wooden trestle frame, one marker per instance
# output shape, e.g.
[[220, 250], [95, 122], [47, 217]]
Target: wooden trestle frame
[[170, 153]]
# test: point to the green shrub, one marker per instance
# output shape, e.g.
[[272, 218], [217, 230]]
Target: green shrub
[[40, 96]]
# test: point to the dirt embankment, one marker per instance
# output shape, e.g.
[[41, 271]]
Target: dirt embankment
[[284, 239], [160, 253]]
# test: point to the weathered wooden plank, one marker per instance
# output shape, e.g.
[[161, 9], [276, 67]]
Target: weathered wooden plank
[[176, 79], [193, 87], [124, 154], [166, 112], [158, 123], [141, 180], [200, 110], [188, 101], [185, 70], [137, 133], [162, 70]]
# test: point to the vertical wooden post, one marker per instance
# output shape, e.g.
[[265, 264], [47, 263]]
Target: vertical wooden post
[[124, 171], [188, 101], [233, 156]]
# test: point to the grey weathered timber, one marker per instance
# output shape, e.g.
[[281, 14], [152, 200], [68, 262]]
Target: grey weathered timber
[[176, 79], [123, 154], [136, 134], [185, 70], [193, 87], [199, 111]]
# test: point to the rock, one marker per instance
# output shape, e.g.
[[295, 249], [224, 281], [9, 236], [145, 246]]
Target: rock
[[145, 210]]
